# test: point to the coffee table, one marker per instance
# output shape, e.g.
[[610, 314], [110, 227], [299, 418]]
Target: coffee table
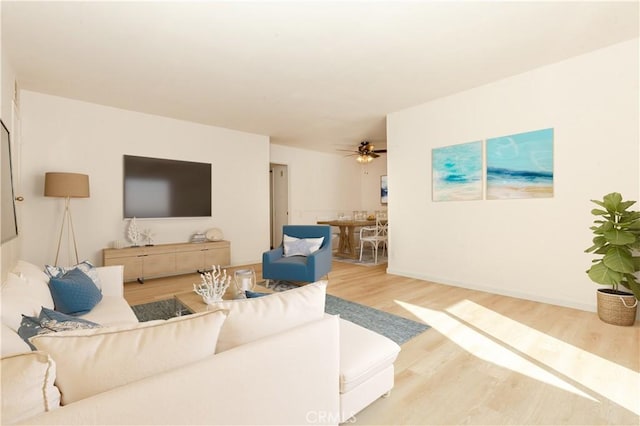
[[193, 302]]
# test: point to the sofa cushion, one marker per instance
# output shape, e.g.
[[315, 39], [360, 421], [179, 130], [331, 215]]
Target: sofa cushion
[[37, 280], [30, 270], [85, 266], [293, 246], [27, 386], [363, 354], [17, 297], [112, 310], [93, 361], [50, 321], [74, 293], [11, 343], [252, 319]]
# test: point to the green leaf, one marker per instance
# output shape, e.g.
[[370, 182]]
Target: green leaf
[[635, 225], [602, 250], [600, 274], [600, 203], [619, 238], [612, 201], [625, 205], [599, 212], [598, 242], [633, 285], [619, 259]]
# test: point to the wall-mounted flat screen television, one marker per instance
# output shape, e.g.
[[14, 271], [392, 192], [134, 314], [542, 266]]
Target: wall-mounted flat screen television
[[158, 188]]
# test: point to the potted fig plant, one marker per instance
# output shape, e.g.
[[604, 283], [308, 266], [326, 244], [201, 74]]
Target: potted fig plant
[[616, 241]]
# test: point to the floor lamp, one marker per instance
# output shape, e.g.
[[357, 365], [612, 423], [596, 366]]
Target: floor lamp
[[67, 186]]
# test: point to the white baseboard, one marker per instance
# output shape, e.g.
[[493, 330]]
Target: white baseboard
[[494, 290]]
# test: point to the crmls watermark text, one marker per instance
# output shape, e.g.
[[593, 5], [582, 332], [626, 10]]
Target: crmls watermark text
[[326, 417]]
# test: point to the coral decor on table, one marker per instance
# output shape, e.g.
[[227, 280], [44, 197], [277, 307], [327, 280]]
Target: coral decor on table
[[213, 285]]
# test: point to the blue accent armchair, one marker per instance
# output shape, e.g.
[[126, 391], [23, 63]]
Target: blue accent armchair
[[299, 268]]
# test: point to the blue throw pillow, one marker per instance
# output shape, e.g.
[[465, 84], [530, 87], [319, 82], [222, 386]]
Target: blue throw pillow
[[50, 321], [252, 294], [85, 266], [74, 293]]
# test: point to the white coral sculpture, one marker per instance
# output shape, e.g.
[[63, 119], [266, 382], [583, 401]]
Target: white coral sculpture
[[148, 235], [213, 285], [133, 233]]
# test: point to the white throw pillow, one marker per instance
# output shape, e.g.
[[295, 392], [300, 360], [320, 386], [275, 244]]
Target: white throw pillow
[[27, 386], [11, 343], [37, 280], [300, 246], [30, 270], [93, 361], [252, 319], [18, 297]]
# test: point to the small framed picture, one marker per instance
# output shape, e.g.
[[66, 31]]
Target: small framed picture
[[384, 191]]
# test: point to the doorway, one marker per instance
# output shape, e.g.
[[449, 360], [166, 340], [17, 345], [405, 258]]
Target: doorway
[[279, 201]]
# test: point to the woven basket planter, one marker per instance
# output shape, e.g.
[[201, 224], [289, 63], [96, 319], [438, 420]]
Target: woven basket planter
[[617, 307]]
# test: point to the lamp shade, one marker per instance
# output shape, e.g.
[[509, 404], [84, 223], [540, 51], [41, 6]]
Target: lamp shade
[[73, 185]]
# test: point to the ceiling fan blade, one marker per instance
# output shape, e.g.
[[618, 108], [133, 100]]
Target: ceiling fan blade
[[379, 150], [373, 154]]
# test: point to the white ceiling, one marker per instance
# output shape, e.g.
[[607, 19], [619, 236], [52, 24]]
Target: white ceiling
[[313, 74]]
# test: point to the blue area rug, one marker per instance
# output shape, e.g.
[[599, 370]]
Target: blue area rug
[[396, 328]]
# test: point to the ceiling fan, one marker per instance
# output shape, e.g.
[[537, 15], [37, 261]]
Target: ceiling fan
[[366, 152]]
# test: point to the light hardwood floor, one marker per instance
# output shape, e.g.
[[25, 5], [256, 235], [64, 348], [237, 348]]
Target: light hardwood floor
[[487, 359]]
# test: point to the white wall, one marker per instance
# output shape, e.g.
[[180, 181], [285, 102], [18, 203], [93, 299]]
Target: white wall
[[527, 248], [370, 183], [61, 134], [321, 185]]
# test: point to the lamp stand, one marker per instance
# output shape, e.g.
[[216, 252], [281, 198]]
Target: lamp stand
[[66, 217]]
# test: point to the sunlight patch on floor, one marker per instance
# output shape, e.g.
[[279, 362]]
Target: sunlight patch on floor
[[615, 382], [485, 348]]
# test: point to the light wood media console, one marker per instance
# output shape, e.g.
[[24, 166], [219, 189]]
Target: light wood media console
[[168, 259]]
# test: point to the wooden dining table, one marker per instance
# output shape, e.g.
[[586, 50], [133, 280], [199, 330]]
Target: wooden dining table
[[347, 245]]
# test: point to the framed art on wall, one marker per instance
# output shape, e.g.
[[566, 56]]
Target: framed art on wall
[[520, 165], [457, 172], [9, 228], [384, 191]]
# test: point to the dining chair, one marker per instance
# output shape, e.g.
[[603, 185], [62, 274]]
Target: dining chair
[[375, 235]]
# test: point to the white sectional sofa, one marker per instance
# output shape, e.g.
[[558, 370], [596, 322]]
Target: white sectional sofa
[[313, 369]]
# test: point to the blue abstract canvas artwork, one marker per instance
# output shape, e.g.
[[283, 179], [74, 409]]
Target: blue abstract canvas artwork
[[457, 172], [520, 165]]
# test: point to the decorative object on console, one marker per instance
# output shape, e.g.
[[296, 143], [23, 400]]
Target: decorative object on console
[[67, 186], [213, 286], [133, 233], [148, 235], [214, 234], [245, 280], [198, 237]]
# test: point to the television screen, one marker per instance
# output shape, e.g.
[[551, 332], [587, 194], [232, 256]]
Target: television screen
[[156, 188]]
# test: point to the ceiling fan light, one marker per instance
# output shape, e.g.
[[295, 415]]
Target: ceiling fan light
[[364, 158]]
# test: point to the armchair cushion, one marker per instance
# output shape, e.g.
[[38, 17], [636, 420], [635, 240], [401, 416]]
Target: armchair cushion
[[300, 246]]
